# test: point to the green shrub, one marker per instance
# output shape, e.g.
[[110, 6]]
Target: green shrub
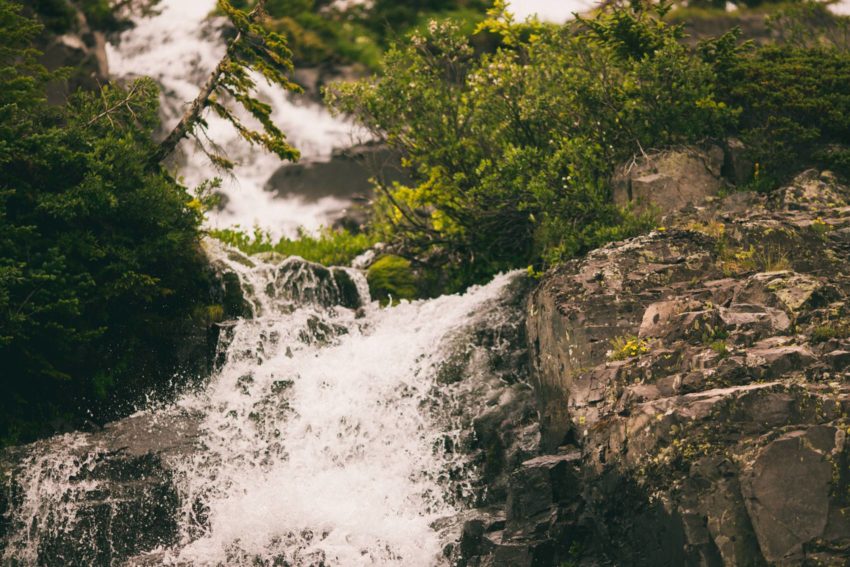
[[795, 102], [830, 330], [720, 347], [391, 279], [329, 247], [511, 151]]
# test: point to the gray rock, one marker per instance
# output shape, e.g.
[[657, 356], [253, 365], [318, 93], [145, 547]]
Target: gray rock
[[346, 175], [113, 494], [787, 493], [669, 180], [719, 442]]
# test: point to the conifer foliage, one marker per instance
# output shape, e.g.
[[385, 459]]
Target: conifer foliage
[[254, 51], [102, 280]]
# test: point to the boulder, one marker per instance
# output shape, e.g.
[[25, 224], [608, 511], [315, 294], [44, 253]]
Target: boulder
[[346, 175], [112, 493], [786, 489], [669, 180]]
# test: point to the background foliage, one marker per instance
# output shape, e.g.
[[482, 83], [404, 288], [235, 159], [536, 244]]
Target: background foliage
[[512, 150], [322, 33], [101, 275]]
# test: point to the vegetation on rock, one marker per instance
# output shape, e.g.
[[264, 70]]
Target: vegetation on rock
[[511, 151], [329, 247]]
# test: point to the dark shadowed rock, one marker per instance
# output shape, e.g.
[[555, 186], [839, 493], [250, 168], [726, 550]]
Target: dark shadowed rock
[[80, 49], [112, 494], [347, 174], [787, 491]]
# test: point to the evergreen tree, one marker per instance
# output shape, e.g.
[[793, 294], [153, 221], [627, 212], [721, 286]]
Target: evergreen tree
[[101, 273]]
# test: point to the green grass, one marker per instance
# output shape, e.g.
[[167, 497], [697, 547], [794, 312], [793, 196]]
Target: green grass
[[329, 247]]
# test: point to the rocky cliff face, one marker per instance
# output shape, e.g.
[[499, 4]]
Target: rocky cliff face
[[74, 45], [694, 389]]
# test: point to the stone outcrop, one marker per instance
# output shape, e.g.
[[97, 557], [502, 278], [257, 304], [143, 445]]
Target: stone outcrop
[[118, 496], [669, 180], [347, 176], [79, 48], [695, 388]]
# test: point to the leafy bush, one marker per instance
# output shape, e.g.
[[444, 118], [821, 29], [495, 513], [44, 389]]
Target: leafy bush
[[511, 151], [99, 251], [329, 247]]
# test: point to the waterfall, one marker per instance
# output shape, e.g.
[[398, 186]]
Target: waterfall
[[178, 48], [334, 431], [329, 435]]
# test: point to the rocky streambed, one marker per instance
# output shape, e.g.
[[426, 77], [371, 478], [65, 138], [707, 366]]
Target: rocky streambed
[[680, 398]]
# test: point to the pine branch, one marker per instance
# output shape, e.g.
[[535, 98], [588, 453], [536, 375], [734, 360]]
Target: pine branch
[[251, 47], [125, 102]]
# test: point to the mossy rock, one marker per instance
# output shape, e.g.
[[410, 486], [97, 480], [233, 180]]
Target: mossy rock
[[391, 279]]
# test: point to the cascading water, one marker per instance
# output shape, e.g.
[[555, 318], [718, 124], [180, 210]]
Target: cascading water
[[326, 437], [333, 432], [178, 48]]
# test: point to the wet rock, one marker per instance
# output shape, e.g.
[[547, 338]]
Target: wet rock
[[314, 79], [112, 494], [270, 257], [303, 283]]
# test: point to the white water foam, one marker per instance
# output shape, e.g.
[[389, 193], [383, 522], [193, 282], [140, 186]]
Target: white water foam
[[318, 442], [321, 439]]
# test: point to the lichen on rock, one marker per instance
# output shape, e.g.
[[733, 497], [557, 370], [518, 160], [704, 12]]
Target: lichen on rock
[[725, 440]]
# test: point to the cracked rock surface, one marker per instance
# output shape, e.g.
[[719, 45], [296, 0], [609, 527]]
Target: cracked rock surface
[[700, 378]]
